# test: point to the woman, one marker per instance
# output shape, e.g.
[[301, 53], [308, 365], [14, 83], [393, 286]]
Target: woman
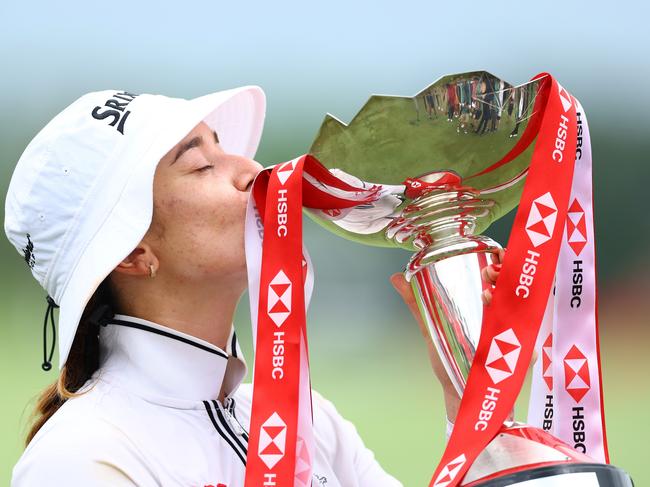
[[129, 210]]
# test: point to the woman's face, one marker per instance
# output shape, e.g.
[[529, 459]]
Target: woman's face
[[200, 197]]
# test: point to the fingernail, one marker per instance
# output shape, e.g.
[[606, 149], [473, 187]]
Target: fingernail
[[497, 267]]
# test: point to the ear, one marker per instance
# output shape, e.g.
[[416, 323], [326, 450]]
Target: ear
[[138, 261]]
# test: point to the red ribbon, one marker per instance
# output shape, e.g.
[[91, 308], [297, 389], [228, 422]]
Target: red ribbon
[[512, 321]]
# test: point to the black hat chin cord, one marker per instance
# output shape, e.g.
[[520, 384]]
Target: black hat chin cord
[[47, 361]]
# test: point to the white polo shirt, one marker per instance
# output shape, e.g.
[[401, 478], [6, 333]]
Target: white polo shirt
[[150, 417]]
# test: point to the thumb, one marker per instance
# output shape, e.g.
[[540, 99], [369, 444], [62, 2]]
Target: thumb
[[402, 287]]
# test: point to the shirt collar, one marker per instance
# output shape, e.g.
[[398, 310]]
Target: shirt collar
[[168, 366]]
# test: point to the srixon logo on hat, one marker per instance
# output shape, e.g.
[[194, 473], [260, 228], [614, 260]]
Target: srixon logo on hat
[[115, 110]]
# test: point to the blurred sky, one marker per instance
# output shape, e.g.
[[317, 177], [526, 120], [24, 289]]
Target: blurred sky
[[325, 56], [312, 58]]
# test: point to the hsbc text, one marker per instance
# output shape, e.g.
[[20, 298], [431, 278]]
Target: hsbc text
[[560, 140], [547, 424], [527, 272], [282, 212], [576, 289], [579, 429], [278, 355], [487, 408], [579, 139]]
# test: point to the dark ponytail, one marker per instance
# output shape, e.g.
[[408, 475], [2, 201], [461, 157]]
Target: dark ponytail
[[81, 364]]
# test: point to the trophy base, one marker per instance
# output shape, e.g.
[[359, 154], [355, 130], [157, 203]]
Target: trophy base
[[530, 457], [573, 475]]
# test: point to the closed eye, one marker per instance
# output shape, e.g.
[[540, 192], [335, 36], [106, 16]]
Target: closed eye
[[205, 168]]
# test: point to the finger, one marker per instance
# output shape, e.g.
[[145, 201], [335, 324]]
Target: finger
[[497, 256], [490, 273], [402, 287], [486, 297]]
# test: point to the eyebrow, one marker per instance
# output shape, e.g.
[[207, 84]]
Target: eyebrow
[[190, 144]]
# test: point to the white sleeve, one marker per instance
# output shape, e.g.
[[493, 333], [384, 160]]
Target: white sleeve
[[82, 453], [354, 464]]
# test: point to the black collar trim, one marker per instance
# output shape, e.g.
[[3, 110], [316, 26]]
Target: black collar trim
[[140, 326]]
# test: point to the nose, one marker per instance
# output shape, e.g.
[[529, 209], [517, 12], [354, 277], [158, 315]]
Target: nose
[[247, 170], [258, 166]]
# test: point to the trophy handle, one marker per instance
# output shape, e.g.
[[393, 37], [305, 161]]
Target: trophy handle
[[447, 284]]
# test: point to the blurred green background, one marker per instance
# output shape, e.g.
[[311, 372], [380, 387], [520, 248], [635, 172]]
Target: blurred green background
[[367, 354]]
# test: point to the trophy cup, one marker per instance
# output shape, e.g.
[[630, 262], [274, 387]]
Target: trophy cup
[[429, 155]]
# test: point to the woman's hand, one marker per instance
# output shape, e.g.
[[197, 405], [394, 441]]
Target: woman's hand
[[452, 401], [490, 274]]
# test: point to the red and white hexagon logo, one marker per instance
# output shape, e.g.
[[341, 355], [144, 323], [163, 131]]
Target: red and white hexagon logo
[[565, 98], [273, 438], [576, 374], [278, 303], [450, 471], [541, 219], [576, 227], [285, 170], [503, 355], [547, 361], [303, 462]]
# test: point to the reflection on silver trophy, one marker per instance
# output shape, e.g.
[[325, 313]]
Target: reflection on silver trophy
[[437, 159]]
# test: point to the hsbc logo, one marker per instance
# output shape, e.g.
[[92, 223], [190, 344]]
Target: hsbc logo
[[541, 219], [500, 364], [450, 471], [278, 303], [273, 438], [565, 98], [563, 129], [278, 307], [547, 361], [576, 227], [502, 356], [285, 170], [303, 462], [576, 374]]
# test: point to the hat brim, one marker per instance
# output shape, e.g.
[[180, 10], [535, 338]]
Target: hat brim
[[236, 115]]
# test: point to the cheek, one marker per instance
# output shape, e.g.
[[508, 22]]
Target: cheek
[[203, 223]]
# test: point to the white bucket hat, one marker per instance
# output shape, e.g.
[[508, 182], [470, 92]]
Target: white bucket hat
[[81, 196]]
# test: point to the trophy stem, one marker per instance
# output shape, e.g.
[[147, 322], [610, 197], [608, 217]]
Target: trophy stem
[[447, 284]]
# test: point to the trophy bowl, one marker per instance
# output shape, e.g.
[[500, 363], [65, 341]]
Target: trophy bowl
[[439, 157], [444, 164]]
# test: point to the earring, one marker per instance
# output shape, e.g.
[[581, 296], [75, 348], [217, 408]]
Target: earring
[[152, 271]]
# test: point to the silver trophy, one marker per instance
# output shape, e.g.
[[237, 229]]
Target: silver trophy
[[438, 159]]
